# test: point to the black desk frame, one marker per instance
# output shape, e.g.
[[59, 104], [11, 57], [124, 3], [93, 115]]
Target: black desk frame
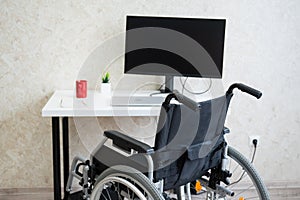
[[56, 133]]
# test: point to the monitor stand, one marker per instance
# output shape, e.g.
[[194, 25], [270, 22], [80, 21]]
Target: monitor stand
[[169, 84]]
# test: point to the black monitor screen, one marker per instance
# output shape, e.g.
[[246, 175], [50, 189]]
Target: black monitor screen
[[174, 46]]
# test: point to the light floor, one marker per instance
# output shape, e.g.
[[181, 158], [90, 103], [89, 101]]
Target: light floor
[[47, 195]]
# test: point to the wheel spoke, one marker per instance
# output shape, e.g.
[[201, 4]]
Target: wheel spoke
[[246, 182], [125, 183]]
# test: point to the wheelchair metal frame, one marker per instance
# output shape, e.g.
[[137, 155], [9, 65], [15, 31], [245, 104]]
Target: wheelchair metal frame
[[139, 147], [85, 181]]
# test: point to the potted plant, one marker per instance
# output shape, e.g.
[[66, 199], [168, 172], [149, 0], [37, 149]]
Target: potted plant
[[106, 86]]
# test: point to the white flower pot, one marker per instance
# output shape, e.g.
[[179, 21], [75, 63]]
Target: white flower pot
[[105, 88]]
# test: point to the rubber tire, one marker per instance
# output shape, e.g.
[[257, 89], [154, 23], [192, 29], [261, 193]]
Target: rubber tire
[[253, 174], [135, 176]]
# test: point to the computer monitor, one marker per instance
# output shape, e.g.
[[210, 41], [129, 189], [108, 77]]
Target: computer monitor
[[172, 46]]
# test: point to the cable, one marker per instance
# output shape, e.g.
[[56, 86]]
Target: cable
[[195, 93], [184, 88], [252, 159], [165, 82], [151, 83], [255, 146], [183, 85]]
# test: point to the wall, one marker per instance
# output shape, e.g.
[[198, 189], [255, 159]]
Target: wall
[[44, 45]]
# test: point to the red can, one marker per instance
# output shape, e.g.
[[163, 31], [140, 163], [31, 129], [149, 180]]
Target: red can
[[81, 89]]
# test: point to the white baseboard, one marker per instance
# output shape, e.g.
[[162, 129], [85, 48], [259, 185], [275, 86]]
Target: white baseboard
[[4, 191], [26, 193], [284, 189]]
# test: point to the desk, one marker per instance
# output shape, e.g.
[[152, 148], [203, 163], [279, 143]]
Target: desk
[[62, 105]]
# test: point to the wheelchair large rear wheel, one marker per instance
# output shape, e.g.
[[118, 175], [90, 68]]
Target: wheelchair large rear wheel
[[245, 181], [124, 183]]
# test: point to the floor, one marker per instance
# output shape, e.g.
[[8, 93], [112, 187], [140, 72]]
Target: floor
[[45, 194]]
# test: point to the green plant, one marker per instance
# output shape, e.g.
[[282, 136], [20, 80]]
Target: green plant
[[106, 78]]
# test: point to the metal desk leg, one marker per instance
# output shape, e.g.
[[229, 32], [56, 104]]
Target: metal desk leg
[[65, 128], [56, 158]]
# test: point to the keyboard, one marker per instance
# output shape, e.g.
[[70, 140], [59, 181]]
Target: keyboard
[[137, 100]]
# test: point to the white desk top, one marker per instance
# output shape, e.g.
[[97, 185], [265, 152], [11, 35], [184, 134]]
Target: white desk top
[[63, 103]]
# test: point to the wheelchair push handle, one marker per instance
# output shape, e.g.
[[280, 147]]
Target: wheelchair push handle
[[186, 101], [244, 88]]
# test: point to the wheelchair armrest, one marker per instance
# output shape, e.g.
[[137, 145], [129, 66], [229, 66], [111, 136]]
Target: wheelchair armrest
[[127, 143]]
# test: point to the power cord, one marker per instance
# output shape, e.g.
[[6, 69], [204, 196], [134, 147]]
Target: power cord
[[191, 92], [254, 142], [254, 152], [165, 83], [184, 88]]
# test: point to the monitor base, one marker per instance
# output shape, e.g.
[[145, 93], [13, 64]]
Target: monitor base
[[166, 90]]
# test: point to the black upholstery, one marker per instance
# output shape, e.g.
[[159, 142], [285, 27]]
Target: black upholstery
[[127, 143], [188, 143], [106, 157]]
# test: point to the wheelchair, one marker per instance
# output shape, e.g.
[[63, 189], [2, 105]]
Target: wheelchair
[[190, 156]]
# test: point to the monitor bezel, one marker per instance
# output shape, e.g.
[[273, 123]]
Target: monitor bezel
[[220, 70]]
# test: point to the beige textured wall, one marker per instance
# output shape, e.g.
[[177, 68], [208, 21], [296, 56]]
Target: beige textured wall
[[43, 45]]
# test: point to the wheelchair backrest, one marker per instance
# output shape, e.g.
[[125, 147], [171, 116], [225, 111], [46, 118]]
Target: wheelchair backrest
[[186, 136]]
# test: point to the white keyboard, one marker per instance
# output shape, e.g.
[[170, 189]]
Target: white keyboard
[[137, 100]]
